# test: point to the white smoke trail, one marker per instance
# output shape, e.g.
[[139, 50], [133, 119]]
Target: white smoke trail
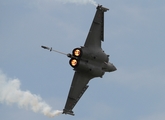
[[10, 93], [80, 1]]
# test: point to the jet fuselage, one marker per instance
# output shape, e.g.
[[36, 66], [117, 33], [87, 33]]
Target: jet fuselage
[[93, 61]]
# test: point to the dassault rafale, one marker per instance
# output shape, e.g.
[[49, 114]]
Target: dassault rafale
[[89, 61]]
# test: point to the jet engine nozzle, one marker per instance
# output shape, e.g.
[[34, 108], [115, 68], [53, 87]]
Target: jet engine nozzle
[[77, 52], [73, 62]]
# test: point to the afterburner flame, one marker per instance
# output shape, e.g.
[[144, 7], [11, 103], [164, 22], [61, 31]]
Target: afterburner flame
[[77, 52], [73, 62]]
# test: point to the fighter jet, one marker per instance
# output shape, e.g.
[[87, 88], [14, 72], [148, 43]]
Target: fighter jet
[[88, 61]]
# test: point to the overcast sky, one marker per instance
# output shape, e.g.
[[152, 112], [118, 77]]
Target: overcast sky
[[134, 39]]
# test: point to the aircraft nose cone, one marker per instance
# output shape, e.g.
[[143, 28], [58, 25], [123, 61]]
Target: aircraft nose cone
[[109, 67], [113, 68]]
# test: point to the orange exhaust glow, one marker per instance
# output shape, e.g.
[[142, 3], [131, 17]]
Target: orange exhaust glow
[[73, 62], [77, 52]]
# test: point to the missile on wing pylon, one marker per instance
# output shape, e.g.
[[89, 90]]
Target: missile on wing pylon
[[47, 48], [51, 49]]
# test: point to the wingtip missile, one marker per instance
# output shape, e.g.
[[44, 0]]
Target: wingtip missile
[[68, 112], [51, 49], [44, 47], [100, 7]]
